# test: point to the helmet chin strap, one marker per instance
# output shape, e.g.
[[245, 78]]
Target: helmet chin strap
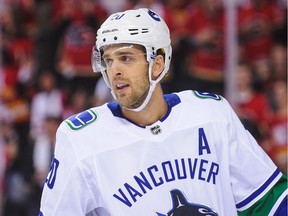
[[153, 84], [147, 99]]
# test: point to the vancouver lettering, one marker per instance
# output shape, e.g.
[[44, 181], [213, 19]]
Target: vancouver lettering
[[168, 171]]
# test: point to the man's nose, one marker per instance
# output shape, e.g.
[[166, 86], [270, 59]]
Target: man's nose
[[115, 67]]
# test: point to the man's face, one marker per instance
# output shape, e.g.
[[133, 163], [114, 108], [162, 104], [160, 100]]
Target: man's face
[[127, 71]]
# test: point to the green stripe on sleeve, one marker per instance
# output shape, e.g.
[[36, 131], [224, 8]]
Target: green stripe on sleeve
[[266, 203]]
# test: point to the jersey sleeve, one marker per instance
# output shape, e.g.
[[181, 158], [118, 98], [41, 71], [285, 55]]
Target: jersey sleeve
[[258, 186], [65, 191]]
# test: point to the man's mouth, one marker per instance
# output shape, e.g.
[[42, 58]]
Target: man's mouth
[[121, 86]]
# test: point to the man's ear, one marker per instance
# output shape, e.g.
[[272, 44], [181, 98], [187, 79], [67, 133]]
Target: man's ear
[[158, 66]]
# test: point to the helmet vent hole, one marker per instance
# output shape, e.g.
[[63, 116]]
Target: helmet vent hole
[[134, 31], [138, 15], [115, 38], [138, 31]]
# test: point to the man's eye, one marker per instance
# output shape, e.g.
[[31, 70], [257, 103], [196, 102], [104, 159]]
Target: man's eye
[[126, 58], [108, 62]]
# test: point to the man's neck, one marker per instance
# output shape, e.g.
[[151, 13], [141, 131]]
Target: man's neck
[[155, 110]]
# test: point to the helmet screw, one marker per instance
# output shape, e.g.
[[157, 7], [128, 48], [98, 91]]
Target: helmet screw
[[104, 39], [115, 38]]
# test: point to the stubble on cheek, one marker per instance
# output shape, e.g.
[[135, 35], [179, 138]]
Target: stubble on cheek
[[135, 96]]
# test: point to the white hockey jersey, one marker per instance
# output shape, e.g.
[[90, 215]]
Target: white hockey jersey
[[197, 160]]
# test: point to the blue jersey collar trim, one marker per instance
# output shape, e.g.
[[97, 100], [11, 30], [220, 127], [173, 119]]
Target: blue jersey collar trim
[[171, 100]]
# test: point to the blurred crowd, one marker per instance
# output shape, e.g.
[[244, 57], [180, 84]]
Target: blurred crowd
[[46, 75]]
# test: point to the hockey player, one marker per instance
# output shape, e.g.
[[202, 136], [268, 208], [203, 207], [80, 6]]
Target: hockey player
[[148, 154]]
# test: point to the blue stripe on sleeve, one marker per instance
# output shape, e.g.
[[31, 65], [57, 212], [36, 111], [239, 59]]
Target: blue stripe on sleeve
[[259, 191]]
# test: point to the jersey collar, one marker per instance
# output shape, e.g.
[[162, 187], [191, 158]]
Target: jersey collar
[[171, 100]]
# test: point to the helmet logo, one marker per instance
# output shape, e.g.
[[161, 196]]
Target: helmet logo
[[154, 15], [117, 16], [109, 31]]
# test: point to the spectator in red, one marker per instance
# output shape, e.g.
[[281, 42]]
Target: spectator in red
[[206, 29], [278, 142], [77, 10], [74, 63], [258, 21], [250, 103], [17, 26], [278, 58]]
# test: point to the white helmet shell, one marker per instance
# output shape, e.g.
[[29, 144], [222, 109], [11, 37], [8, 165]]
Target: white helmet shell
[[140, 26]]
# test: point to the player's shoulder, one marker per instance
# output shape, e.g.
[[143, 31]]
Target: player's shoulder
[[204, 101], [200, 97], [85, 132]]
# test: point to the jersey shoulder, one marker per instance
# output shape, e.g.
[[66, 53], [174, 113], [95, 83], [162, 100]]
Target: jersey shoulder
[[204, 105], [86, 132], [81, 120], [85, 119], [199, 98]]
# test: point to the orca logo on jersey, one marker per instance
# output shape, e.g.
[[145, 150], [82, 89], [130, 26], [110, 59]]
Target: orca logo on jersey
[[156, 130], [181, 207]]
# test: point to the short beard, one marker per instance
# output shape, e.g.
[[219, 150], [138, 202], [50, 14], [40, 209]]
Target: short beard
[[140, 100], [135, 101]]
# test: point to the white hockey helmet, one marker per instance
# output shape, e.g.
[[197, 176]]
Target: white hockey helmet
[[140, 26]]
